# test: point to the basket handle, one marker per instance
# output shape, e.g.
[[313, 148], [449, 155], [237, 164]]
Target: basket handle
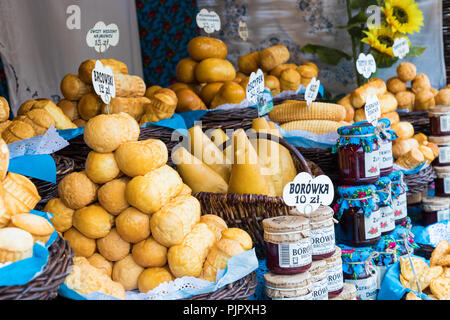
[[281, 141]]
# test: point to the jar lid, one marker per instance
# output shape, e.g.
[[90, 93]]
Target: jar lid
[[386, 122], [442, 170], [442, 140], [396, 175], [284, 224], [335, 257], [435, 204], [349, 292], [415, 198], [318, 267], [357, 129], [279, 281], [440, 199], [438, 111], [321, 214], [357, 192]]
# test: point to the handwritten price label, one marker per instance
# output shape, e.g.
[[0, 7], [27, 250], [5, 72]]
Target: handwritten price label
[[208, 21], [366, 65], [307, 193], [103, 82], [102, 36], [372, 109], [400, 47], [255, 86], [311, 91]]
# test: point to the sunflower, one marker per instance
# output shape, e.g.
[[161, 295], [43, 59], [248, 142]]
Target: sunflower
[[382, 38], [403, 15]]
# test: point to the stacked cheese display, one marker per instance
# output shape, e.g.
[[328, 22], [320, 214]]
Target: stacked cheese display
[[18, 228], [33, 119], [247, 166], [131, 221], [318, 118], [420, 96], [81, 103]]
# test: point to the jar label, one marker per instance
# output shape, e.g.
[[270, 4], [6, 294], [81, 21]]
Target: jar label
[[387, 220], [445, 123], [372, 225], [293, 255], [443, 215], [400, 207], [366, 289], [447, 185], [335, 278], [386, 158], [444, 154], [372, 164], [320, 290], [322, 240], [381, 270]]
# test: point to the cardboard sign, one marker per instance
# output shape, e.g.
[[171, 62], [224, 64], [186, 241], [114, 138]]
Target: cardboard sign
[[243, 30], [307, 193], [209, 21], [102, 36], [372, 109], [366, 65], [400, 47], [103, 82], [311, 91]]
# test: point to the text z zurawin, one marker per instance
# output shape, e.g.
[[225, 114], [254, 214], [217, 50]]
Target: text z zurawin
[[233, 310]]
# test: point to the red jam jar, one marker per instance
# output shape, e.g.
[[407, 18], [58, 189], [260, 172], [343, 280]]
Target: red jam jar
[[443, 160], [334, 274], [435, 209], [440, 120], [398, 195], [442, 182], [359, 216], [387, 221], [386, 136], [358, 154], [288, 244], [322, 232]]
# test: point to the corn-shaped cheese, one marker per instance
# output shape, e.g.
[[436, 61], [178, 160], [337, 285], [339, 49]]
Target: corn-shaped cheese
[[314, 126], [294, 111]]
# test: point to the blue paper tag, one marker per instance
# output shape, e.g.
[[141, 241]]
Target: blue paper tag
[[41, 166]]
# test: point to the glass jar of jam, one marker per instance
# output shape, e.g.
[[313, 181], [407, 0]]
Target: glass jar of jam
[[334, 274], [359, 216], [387, 221], [435, 209], [288, 287], [398, 194], [442, 181], [318, 273], [348, 293], [288, 244], [358, 154], [440, 120], [322, 232], [386, 136], [443, 143], [359, 270]]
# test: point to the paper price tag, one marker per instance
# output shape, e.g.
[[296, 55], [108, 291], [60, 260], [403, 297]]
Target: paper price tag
[[265, 102], [243, 30], [366, 65], [255, 87], [208, 21], [307, 193], [311, 91], [400, 47], [103, 82], [372, 109], [102, 36]]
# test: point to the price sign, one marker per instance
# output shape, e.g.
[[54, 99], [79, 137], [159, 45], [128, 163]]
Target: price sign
[[208, 21], [255, 87], [366, 65], [400, 47], [102, 36], [372, 109], [103, 82], [243, 30], [307, 193], [311, 91]]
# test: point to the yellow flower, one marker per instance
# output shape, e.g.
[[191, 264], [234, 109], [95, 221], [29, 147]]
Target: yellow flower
[[403, 15], [382, 39]]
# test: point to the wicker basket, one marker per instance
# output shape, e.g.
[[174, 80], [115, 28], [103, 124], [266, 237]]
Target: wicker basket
[[45, 286], [241, 289], [247, 211], [419, 120], [48, 190], [419, 182]]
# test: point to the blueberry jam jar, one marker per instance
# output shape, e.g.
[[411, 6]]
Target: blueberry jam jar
[[358, 153], [359, 216]]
